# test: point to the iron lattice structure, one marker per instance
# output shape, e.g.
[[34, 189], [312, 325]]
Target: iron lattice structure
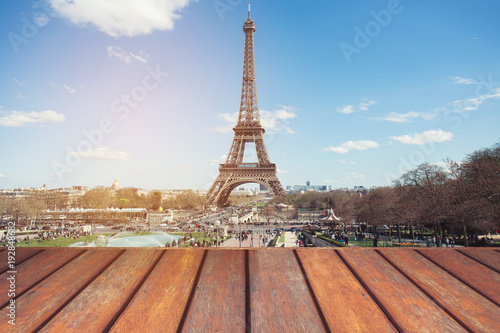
[[234, 172]]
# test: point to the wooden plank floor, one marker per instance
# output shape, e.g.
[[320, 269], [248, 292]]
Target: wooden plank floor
[[253, 290]]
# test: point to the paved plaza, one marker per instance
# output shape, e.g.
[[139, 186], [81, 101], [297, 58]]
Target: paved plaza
[[290, 239]]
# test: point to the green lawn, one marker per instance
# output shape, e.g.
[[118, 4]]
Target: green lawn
[[258, 204], [64, 242], [367, 243], [282, 239], [58, 242]]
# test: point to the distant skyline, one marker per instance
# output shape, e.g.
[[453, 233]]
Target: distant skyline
[[350, 92]]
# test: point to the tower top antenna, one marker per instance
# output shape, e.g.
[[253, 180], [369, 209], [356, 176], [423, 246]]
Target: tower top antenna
[[249, 10]]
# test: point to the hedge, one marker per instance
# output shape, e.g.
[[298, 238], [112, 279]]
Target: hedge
[[334, 242]]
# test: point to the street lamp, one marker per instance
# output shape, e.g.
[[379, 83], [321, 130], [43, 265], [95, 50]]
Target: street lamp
[[217, 224]]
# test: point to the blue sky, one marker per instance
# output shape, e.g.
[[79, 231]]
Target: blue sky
[[350, 92]]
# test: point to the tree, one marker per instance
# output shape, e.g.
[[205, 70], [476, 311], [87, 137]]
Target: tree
[[474, 191], [372, 207], [154, 200], [424, 188], [97, 198], [129, 196], [187, 199], [481, 172]]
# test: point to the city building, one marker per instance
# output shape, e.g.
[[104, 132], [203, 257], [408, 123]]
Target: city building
[[309, 187]]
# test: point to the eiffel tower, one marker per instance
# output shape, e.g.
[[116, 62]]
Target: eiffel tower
[[234, 172]]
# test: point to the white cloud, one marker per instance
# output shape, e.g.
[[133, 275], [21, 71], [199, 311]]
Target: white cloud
[[281, 171], [425, 137], [462, 80], [356, 175], [230, 120], [139, 57], [22, 118], [272, 121], [352, 145], [346, 162], [443, 164], [122, 17], [276, 121], [65, 86], [363, 106], [19, 96], [2, 176], [473, 103], [41, 19], [346, 109], [407, 117], [103, 153], [288, 108], [116, 52], [18, 82], [220, 160], [70, 90], [284, 114]]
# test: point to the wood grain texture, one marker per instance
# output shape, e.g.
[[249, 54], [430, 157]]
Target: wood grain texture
[[219, 302], [467, 306], [98, 304], [255, 290], [35, 269], [45, 299], [346, 305], [279, 297], [21, 254], [409, 307], [160, 302], [472, 273], [486, 256]]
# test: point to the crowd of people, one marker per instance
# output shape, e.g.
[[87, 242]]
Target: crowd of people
[[340, 237], [45, 235]]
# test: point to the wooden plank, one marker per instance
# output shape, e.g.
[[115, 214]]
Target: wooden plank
[[21, 254], [346, 305], [35, 269], [219, 302], [107, 295], [279, 297], [408, 307], [42, 301], [488, 257], [160, 302], [467, 306], [479, 277]]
